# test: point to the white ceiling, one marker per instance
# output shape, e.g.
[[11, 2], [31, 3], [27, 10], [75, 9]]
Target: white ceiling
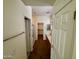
[[42, 10], [38, 2]]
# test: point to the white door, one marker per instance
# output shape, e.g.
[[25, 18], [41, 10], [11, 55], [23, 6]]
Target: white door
[[63, 33]]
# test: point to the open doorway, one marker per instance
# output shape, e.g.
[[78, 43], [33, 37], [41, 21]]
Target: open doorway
[[40, 30], [27, 31]]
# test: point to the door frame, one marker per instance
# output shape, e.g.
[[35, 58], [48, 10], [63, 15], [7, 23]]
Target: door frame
[[25, 18]]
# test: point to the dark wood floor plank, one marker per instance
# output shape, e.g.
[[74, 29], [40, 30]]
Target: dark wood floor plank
[[41, 49]]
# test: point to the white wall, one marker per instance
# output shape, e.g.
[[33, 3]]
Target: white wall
[[14, 12], [34, 20], [43, 19], [28, 13]]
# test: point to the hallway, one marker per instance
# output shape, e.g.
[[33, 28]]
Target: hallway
[[41, 49], [25, 19]]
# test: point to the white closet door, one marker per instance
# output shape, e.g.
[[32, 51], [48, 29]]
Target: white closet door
[[62, 33], [68, 27]]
